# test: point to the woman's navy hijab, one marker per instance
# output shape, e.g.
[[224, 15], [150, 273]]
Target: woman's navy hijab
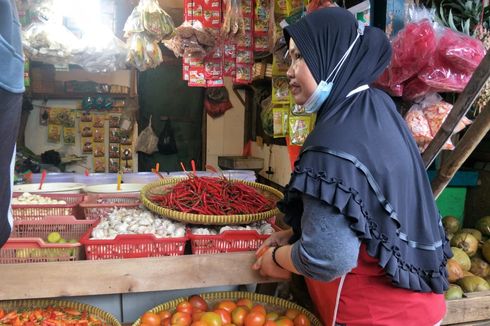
[[362, 159]]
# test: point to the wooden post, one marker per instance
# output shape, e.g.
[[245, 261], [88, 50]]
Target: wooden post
[[462, 105], [464, 148]]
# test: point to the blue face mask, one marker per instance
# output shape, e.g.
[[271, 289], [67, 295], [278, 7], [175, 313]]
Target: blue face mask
[[322, 91]]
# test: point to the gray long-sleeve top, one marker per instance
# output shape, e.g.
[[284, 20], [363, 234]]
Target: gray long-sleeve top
[[328, 247]]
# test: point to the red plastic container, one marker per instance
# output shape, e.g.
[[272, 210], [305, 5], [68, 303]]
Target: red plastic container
[[26, 244], [39, 211], [228, 241], [131, 246], [93, 208]]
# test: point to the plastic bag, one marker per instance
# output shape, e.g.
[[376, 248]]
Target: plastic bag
[[144, 53], [442, 76], [461, 51], [266, 116], [191, 40], [147, 140], [415, 89], [166, 142], [155, 20], [233, 23], [424, 120], [412, 48]]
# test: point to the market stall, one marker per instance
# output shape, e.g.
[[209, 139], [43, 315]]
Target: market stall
[[136, 201]]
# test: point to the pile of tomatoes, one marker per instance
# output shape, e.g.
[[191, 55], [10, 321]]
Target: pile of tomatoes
[[196, 312]]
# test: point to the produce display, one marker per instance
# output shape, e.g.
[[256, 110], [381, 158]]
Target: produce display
[[212, 196], [469, 267], [136, 221], [31, 199], [50, 316], [261, 227], [242, 312]]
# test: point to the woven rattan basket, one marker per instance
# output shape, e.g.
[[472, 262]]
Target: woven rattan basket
[[19, 305], [266, 191], [270, 303]]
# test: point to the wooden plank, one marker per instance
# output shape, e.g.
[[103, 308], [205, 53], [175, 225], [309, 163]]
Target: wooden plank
[[467, 310], [462, 105], [475, 133], [45, 280]]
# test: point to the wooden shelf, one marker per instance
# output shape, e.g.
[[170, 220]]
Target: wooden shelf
[[70, 96], [80, 278]]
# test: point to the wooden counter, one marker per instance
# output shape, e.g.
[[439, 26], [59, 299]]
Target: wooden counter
[[80, 278]]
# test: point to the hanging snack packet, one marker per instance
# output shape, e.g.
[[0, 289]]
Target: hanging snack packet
[[280, 121], [114, 165], [280, 90], [87, 145], [299, 128], [114, 151], [99, 150], [54, 133], [114, 135], [99, 164], [69, 135], [99, 135]]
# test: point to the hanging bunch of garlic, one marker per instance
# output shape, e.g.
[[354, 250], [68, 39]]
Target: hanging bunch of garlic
[[262, 227], [136, 221], [31, 199]]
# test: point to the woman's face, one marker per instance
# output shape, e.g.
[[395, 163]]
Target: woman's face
[[301, 82]]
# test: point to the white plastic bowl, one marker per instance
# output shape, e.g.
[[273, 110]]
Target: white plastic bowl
[[112, 188], [48, 188]]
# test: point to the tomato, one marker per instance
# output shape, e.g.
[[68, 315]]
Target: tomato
[[150, 319], [259, 308], [211, 318], [226, 305], [199, 323], [283, 321], [270, 323], [238, 315], [292, 313], [245, 303], [2, 313], [301, 320], [184, 306], [181, 318], [164, 314], [225, 316], [197, 302], [166, 322], [272, 316], [196, 315], [254, 319]]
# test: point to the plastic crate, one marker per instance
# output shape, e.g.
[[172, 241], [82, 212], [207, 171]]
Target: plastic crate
[[132, 246], [94, 210], [26, 244], [39, 211], [228, 241]]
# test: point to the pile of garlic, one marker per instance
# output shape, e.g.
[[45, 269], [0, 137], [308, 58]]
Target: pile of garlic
[[31, 199], [262, 227], [136, 221]]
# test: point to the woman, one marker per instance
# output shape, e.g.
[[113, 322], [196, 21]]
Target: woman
[[365, 232]]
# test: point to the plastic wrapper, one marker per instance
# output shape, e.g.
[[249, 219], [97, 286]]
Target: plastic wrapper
[[460, 50], [191, 41], [424, 120], [99, 164], [280, 90], [266, 116], [299, 128], [149, 18], [69, 135], [147, 140], [144, 53], [383, 82], [233, 23], [104, 52], [412, 48], [280, 121], [54, 133], [440, 75], [415, 89]]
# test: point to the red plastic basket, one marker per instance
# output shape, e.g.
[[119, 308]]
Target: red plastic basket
[[94, 209], [39, 211], [228, 241], [26, 244], [131, 246]]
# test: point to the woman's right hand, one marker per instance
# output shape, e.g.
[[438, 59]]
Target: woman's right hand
[[276, 239]]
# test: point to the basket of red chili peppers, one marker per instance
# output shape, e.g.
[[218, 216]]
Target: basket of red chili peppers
[[211, 200]]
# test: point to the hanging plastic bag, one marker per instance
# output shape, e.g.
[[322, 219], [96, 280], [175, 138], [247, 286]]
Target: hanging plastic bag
[[216, 101], [415, 89], [166, 142], [147, 140], [442, 76]]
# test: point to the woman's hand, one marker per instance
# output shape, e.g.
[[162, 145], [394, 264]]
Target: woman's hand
[[276, 239], [266, 266]]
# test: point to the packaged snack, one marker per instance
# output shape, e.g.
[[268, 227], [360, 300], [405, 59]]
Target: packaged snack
[[244, 56], [126, 139], [280, 121], [86, 116], [280, 90], [114, 151], [439, 75], [415, 89], [87, 145], [243, 74], [114, 165], [98, 121], [67, 118], [246, 41], [213, 69], [114, 120], [99, 150], [114, 135], [54, 133], [69, 135], [54, 116], [99, 164], [229, 68], [99, 135], [299, 128]]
